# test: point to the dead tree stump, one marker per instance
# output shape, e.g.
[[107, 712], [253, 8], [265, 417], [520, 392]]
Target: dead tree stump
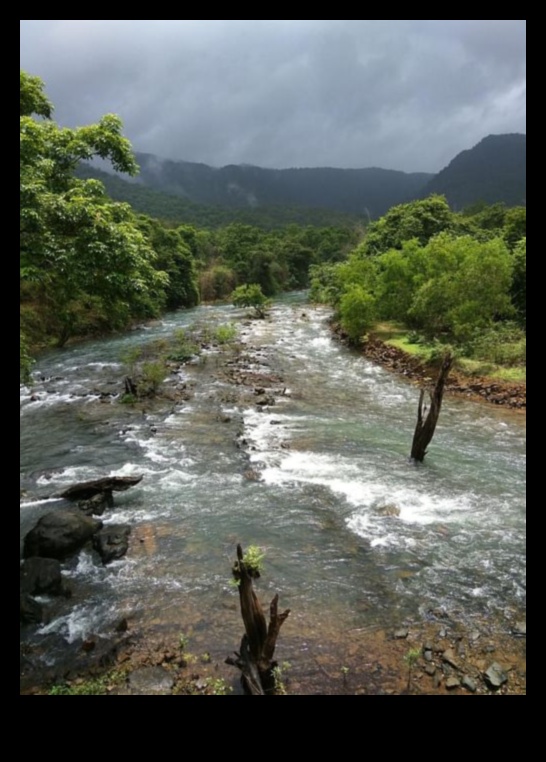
[[255, 657], [424, 428]]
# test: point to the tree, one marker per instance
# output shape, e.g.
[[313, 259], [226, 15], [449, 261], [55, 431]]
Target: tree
[[84, 263], [357, 312], [250, 295], [518, 289]]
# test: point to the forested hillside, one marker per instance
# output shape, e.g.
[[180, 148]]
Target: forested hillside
[[367, 192], [493, 170], [177, 209]]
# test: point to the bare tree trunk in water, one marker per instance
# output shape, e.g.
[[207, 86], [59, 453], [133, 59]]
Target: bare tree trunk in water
[[424, 428], [255, 659]]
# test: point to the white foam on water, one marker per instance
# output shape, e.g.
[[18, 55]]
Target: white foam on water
[[32, 503], [84, 620]]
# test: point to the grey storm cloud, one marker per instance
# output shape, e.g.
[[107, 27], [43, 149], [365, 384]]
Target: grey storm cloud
[[403, 95]]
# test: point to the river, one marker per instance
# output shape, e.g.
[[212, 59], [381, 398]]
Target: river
[[356, 536]]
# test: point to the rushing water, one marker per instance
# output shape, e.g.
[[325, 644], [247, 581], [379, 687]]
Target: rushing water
[[356, 535]]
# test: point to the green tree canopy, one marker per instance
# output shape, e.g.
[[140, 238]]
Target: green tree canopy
[[83, 259], [250, 295]]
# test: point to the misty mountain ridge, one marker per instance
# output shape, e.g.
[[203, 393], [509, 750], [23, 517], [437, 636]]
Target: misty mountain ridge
[[493, 170]]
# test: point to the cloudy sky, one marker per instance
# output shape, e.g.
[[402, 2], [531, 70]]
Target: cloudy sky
[[395, 94]]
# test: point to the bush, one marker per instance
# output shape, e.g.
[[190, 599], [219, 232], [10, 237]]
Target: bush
[[225, 333], [250, 295], [357, 312]]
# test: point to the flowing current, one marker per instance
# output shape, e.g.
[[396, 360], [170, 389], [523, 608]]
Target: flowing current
[[356, 536]]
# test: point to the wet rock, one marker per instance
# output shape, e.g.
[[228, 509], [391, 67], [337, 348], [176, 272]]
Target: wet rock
[[41, 575], [30, 611], [151, 680], [59, 534], [85, 490], [95, 505], [112, 542], [89, 644], [403, 632], [468, 683], [390, 509], [452, 682], [265, 399], [122, 625], [495, 676]]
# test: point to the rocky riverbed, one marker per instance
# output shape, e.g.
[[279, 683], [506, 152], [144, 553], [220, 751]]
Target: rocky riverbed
[[439, 654]]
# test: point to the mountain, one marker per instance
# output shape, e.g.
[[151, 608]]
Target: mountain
[[175, 209], [494, 170], [366, 192]]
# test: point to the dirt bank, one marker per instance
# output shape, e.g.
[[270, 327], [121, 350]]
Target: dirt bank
[[505, 393]]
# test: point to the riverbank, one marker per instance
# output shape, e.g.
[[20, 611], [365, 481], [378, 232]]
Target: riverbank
[[182, 651], [478, 389]]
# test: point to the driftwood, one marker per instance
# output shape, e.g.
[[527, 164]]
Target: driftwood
[[255, 657], [130, 386], [104, 486], [424, 428]]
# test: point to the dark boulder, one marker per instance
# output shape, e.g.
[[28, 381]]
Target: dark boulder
[[41, 575], [112, 542], [59, 534], [30, 611]]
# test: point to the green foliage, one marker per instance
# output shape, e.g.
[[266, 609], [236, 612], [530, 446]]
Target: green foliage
[[502, 344], [183, 348], [411, 657], [356, 312], [32, 98], [216, 282], [217, 686], [98, 686], [175, 258], [418, 219], [279, 676], [250, 295], [253, 559], [466, 288], [518, 288], [83, 260], [225, 333], [152, 375], [25, 360], [183, 641]]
